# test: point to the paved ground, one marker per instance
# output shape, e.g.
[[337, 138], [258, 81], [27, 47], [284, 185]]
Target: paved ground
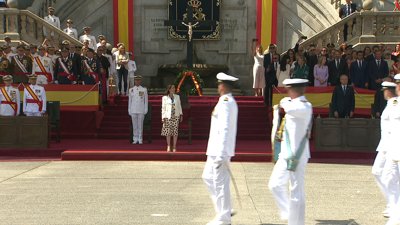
[[130, 192]]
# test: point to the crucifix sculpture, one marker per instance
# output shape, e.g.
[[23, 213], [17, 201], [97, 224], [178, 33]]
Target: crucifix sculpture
[[190, 21]]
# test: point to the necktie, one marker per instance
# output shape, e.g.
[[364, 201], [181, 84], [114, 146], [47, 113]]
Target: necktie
[[275, 66], [344, 89], [359, 64], [337, 64], [379, 63]]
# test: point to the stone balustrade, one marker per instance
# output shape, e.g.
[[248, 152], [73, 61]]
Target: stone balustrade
[[369, 28], [27, 26]]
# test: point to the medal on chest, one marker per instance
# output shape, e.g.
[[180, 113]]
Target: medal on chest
[[25, 62], [13, 95], [70, 64]]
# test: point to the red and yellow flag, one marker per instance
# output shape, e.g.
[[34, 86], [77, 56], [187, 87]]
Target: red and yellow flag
[[123, 23], [267, 22]]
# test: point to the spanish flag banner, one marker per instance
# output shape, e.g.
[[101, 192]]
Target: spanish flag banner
[[267, 22], [320, 98], [123, 23]]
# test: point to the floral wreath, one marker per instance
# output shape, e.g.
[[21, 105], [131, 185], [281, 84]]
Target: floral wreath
[[183, 80]]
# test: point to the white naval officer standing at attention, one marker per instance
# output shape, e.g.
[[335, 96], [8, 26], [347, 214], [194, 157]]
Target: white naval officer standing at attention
[[52, 19], [220, 149], [71, 31], [137, 109], [392, 178], [34, 98], [381, 169], [294, 147], [90, 38], [9, 97]]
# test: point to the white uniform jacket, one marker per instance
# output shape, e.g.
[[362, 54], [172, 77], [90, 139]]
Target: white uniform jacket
[[223, 130], [34, 107], [138, 100], [13, 94], [387, 113], [53, 20], [91, 39], [47, 64], [132, 69], [167, 106], [71, 32], [297, 120], [393, 149]]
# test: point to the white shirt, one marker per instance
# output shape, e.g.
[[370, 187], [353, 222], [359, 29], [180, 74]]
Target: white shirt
[[71, 32], [138, 100], [223, 130], [91, 39], [46, 62], [34, 107], [297, 119], [7, 109]]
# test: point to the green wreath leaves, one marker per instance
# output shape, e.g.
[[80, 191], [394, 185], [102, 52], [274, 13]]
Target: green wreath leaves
[[188, 82]]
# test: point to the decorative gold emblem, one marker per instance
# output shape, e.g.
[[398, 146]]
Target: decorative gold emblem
[[4, 64], [198, 15], [226, 99], [215, 34], [70, 64], [395, 102], [174, 35], [13, 95], [46, 62], [94, 66], [37, 91], [25, 62]]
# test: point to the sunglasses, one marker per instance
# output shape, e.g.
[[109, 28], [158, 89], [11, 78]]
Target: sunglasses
[[275, 58], [323, 50], [272, 47], [290, 53]]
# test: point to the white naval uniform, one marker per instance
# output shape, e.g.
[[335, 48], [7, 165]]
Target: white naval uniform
[[48, 66], [7, 109], [137, 108], [32, 109], [220, 149], [91, 39], [53, 20], [71, 32], [131, 73], [392, 166], [298, 117], [380, 169]]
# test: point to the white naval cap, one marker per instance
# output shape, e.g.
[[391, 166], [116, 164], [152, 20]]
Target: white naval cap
[[397, 78], [295, 82], [388, 85], [225, 78], [137, 77]]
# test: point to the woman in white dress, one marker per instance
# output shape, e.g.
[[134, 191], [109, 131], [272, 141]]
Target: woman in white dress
[[283, 70], [258, 69]]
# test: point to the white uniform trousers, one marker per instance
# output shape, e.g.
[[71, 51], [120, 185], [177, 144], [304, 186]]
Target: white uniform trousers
[[293, 209], [131, 82], [42, 79], [217, 178], [33, 114], [137, 124], [377, 171], [390, 180]]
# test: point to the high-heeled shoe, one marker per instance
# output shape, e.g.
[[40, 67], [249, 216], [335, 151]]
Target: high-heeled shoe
[[169, 149], [174, 149]]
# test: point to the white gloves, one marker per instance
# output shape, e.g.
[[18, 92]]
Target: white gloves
[[43, 112], [56, 82], [74, 82], [83, 82]]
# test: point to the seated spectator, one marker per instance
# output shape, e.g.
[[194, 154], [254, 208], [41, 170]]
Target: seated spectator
[[377, 69], [321, 72], [380, 101], [358, 71], [343, 100], [283, 70], [301, 71], [337, 67]]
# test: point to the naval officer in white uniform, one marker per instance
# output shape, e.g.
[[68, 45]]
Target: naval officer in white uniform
[[220, 149], [137, 109], [392, 177], [389, 92], [295, 132], [71, 31], [9, 98], [53, 20], [34, 98], [90, 38]]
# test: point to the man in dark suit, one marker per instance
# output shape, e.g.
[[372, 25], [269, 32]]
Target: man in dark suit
[[312, 60], [337, 67], [371, 57], [76, 58], [270, 73], [346, 10], [377, 70], [358, 72], [65, 70], [343, 101]]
